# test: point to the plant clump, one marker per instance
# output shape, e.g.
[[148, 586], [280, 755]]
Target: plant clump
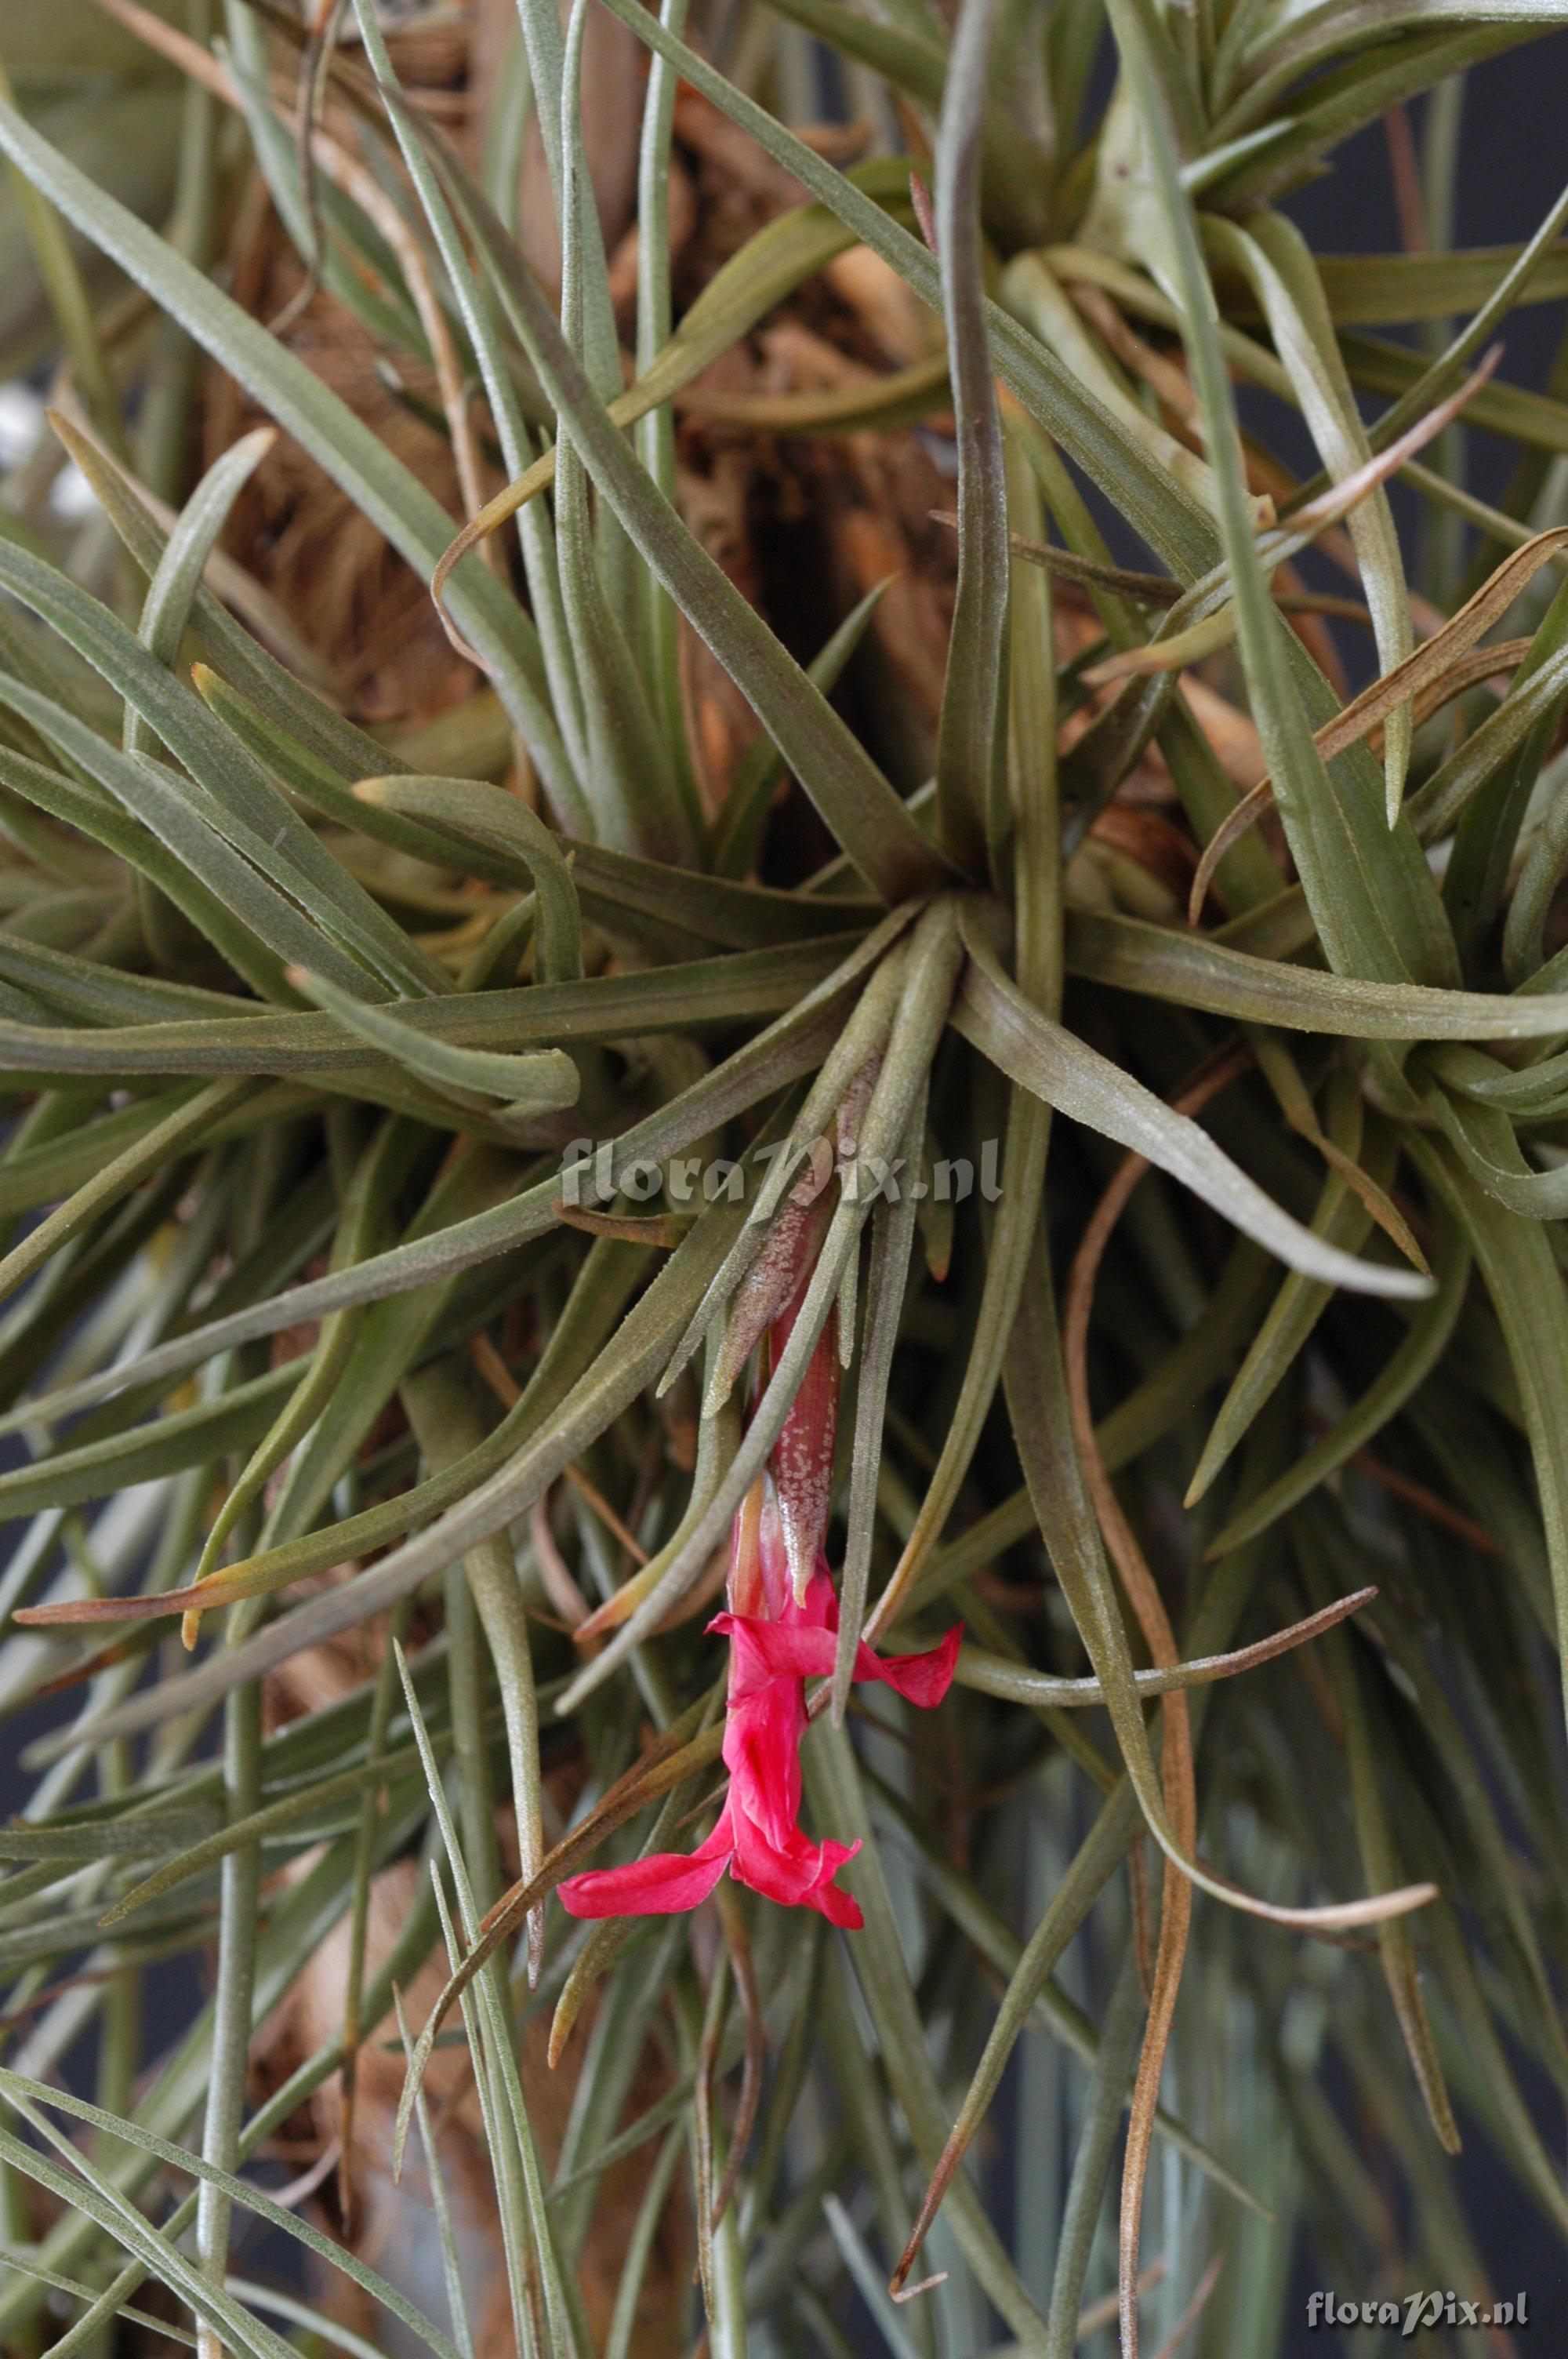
[[783, 1308]]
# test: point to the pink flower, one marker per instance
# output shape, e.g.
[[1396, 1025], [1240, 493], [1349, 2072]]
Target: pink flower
[[773, 1653], [781, 1626]]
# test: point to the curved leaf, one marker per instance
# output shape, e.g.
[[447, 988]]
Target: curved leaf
[[1079, 1083]]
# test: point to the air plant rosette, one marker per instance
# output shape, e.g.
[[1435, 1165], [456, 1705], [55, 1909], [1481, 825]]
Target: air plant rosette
[[691, 760]]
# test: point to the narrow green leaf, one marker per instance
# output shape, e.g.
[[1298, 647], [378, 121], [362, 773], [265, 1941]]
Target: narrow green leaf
[[379, 485], [1048, 1060], [171, 591], [1375, 1838], [967, 744], [1275, 258], [853, 795], [16, 2087], [1042, 1425], [761, 771], [1428, 1335], [1131, 955], [1341, 1216], [540, 1083], [1515, 1258]]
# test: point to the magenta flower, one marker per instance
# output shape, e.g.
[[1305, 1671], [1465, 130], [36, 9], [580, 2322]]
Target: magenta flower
[[773, 1653]]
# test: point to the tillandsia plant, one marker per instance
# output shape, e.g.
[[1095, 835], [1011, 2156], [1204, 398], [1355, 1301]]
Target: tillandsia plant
[[494, 1036]]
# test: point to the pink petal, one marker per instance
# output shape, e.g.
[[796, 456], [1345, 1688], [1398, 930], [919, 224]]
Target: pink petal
[[759, 1652], [923, 1679], [840, 1908], [773, 1650], [761, 1752], [827, 1897], [776, 1877], [819, 1607], [663, 1884], [784, 1864], [792, 1650]]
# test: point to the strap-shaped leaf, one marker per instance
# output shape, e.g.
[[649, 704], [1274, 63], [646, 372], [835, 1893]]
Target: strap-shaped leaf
[[376, 1179], [1441, 669], [657, 623], [1067, 1073], [104, 821], [1034, 298], [1275, 258], [597, 1302], [1165, 517], [379, 485], [1379, 1860], [1515, 1258], [182, 1130], [967, 742], [18, 2091], [222, 638], [1042, 1425], [227, 775], [638, 803], [83, 2193], [760, 771], [1315, 35], [491, 817], [619, 1372], [1376, 907], [794, 1044], [1342, 1214], [853, 795], [496, 361], [241, 868], [1129, 954], [1441, 799], [1355, 919], [187, 1437], [171, 591], [1488, 1147], [706, 995], [657, 904], [769, 266], [1366, 290], [540, 1083], [835, 1786]]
